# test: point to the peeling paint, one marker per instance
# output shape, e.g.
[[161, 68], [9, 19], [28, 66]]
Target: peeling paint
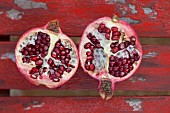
[[14, 14], [1, 12], [150, 55], [130, 20], [115, 1], [37, 104], [142, 79], [135, 103], [137, 78], [8, 56], [27, 108], [133, 9], [29, 4], [151, 13]]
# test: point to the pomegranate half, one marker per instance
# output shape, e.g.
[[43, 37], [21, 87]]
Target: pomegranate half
[[46, 56], [109, 51]]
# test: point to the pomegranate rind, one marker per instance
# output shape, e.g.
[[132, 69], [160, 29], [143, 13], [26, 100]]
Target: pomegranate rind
[[129, 32], [24, 68]]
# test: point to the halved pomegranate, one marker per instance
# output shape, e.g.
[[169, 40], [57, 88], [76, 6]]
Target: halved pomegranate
[[46, 56], [109, 51]]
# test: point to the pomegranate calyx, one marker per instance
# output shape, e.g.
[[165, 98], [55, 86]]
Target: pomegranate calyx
[[115, 19], [106, 88], [53, 26]]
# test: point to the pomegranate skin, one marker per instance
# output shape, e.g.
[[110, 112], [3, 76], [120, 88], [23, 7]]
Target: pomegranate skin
[[103, 73], [44, 79]]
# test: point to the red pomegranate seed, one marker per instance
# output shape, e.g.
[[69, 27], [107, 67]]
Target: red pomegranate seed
[[90, 58], [111, 58], [115, 68], [112, 72], [117, 33], [87, 45], [70, 65], [57, 74], [136, 57], [111, 64], [63, 57], [121, 68], [34, 58], [57, 50], [130, 67], [107, 35], [132, 38], [132, 61], [33, 70], [61, 48], [53, 54], [112, 45], [126, 66], [63, 52], [89, 53], [56, 79], [88, 61], [98, 46], [124, 61], [126, 70], [25, 52], [132, 43], [121, 74], [127, 43], [57, 44], [114, 50], [92, 67], [68, 70], [48, 39], [50, 61], [115, 37], [34, 76], [100, 30], [45, 47], [42, 55], [110, 69], [68, 56], [107, 30], [44, 69], [61, 67], [89, 36], [121, 45], [67, 51], [102, 26], [92, 47], [39, 62], [114, 29], [24, 59], [87, 67], [60, 71]]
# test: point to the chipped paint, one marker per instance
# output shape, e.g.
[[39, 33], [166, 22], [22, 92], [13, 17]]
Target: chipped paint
[[150, 55], [133, 9], [135, 103], [130, 20], [14, 14], [151, 13], [142, 79], [29, 4], [137, 78], [37, 104], [27, 108], [1, 12], [9, 55], [115, 1]]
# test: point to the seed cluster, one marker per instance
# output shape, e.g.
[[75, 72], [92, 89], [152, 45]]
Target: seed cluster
[[118, 67], [36, 53]]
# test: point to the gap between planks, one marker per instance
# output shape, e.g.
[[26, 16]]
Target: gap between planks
[[63, 93], [143, 40]]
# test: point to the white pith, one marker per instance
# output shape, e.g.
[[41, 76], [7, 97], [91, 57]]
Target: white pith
[[44, 79], [92, 28]]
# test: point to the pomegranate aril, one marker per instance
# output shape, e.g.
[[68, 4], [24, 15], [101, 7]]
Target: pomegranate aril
[[63, 52], [107, 35], [48, 39], [126, 71], [25, 52], [132, 38], [56, 79], [34, 58], [89, 53], [68, 70], [33, 70], [136, 57], [111, 64], [111, 58], [89, 35], [45, 47], [70, 65], [114, 50], [92, 67], [121, 68], [102, 26], [130, 67], [53, 54], [90, 57], [39, 62], [67, 51], [87, 45], [114, 29], [107, 31], [124, 61], [45, 69], [61, 67], [63, 57], [100, 30], [34, 76], [92, 47], [61, 48], [24, 59], [88, 61], [121, 74], [50, 61], [127, 43], [115, 37], [121, 45], [87, 67], [117, 33], [57, 50], [115, 68], [57, 74]]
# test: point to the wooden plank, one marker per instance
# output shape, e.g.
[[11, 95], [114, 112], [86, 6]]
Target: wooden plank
[[153, 74], [149, 18], [84, 105]]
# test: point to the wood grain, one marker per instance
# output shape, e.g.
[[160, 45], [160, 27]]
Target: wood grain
[[84, 105], [153, 74], [149, 18]]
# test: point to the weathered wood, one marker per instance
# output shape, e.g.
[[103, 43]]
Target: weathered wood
[[84, 105], [153, 74], [149, 18]]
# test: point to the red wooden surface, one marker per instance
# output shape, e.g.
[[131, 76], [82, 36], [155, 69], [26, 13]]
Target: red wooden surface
[[153, 74], [149, 18], [84, 105]]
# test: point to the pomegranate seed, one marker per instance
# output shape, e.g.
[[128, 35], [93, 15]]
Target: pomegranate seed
[[112, 45], [90, 58], [69, 65], [61, 48], [34, 76], [53, 54], [126, 70], [67, 51], [33, 70], [132, 43], [126, 66], [102, 26], [87, 45], [48, 39], [67, 60], [92, 67], [40, 71], [117, 33], [132, 38], [57, 50], [63, 57], [88, 61], [111, 64], [121, 74], [98, 46], [121, 45], [89, 53], [63, 52], [132, 61], [107, 30], [115, 37], [39, 62], [112, 72], [111, 58], [115, 68], [114, 29], [50, 61], [100, 30], [137, 57], [116, 59], [68, 70], [89, 35], [114, 50], [34, 58], [56, 79], [127, 43], [92, 47], [116, 74], [68, 56], [107, 36], [60, 71], [61, 67], [124, 61], [57, 74], [121, 68], [42, 55], [63, 61], [25, 52], [24, 59], [57, 44], [37, 46], [110, 68], [130, 67], [41, 45], [45, 47], [44, 69]]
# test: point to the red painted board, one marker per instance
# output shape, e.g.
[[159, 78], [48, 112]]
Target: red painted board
[[153, 74], [149, 18], [84, 105]]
